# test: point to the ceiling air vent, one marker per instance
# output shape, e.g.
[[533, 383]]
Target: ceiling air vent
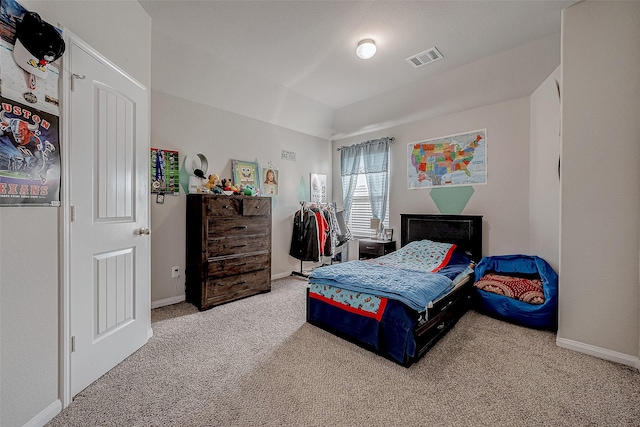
[[426, 57]]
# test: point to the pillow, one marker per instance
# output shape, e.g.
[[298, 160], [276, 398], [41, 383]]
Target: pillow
[[520, 288]]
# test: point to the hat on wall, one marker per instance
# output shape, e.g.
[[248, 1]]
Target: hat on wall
[[38, 43]]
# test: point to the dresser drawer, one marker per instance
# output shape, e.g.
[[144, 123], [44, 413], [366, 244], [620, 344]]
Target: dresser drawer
[[234, 287], [237, 265], [256, 207], [237, 246], [460, 296], [444, 317], [233, 227], [223, 206]]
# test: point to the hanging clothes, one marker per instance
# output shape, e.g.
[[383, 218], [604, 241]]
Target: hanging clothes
[[305, 241], [323, 232], [317, 231]]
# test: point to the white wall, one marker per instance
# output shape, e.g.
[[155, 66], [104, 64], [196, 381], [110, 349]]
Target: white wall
[[181, 70], [600, 208], [503, 201], [489, 80], [544, 183], [191, 127], [29, 240], [28, 312]]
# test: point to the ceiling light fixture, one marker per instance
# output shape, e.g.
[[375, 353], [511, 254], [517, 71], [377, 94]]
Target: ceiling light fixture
[[366, 49]]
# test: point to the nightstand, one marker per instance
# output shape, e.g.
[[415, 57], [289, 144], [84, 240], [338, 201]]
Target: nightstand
[[374, 248]]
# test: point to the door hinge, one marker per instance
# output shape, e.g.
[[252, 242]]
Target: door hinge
[[73, 343], [72, 213], [75, 76]]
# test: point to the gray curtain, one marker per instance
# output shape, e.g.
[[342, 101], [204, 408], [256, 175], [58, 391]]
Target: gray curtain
[[375, 154], [372, 159], [349, 169]]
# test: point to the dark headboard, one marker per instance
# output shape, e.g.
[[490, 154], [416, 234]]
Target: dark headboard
[[463, 230]]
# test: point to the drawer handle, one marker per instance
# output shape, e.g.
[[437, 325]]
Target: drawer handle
[[225, 207], [239, 227], [258, 207], [244, 281], [240, 264], [441, 326], [446, 306], [239, 246], [371, 247]]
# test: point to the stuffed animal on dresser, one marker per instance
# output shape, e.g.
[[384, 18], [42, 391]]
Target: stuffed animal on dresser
[[227, 185]]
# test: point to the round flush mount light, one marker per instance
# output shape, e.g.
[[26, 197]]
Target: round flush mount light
[[366, 49]]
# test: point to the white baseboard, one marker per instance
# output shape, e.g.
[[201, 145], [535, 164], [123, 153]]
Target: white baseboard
[[46, 415], [180, 298], [280, 275], [167, 301], [599, 352]]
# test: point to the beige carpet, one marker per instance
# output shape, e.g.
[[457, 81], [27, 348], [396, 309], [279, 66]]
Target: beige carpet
[[255, 362]]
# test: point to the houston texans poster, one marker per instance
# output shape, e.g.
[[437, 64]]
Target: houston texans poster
[[29, 156]]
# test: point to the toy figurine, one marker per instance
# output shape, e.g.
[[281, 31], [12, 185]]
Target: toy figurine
[[249, 190], [213, 182], [226, 186]]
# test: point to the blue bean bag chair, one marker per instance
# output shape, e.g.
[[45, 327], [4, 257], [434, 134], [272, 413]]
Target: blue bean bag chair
[[543, 315]]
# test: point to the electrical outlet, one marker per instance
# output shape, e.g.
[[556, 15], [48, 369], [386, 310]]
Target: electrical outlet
[[175, 271]]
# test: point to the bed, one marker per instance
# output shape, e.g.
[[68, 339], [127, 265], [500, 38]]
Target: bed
[[353, 299]]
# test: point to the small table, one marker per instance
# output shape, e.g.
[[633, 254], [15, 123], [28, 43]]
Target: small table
[[369, 248]]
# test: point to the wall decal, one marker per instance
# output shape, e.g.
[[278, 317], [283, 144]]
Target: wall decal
[[451, 200]]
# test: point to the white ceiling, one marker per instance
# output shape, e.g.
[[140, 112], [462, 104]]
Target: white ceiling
[[309, 46]]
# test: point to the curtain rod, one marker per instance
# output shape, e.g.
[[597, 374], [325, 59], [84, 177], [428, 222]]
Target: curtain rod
[[390, 138]]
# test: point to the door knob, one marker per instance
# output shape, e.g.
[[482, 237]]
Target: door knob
[[142, 232]]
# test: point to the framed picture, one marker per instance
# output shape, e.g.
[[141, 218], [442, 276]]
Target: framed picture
[[388, 234], [245, 173], [318, 188], [270, 180]]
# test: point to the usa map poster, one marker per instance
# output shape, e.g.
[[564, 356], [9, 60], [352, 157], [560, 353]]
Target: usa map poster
[[448, 161]]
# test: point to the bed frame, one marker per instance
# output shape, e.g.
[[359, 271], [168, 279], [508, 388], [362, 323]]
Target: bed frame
[[466, 232]]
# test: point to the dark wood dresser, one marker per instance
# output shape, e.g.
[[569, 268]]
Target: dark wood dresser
[[228, 248]]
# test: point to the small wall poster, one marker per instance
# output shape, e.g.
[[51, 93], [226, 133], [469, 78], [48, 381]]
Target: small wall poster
[[29, 156], [318, 188], [245, 173], [165, 171], [270, 183]]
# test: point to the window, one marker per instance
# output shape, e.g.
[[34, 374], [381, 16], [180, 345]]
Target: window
[[364, 169], [359, 220]]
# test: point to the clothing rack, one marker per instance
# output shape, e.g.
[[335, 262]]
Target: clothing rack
[[308, 205], [299, 273]]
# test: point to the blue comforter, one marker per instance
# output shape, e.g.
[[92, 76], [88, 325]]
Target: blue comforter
[[414, 288]]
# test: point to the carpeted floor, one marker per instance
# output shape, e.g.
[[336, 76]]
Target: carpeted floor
[[255, 362]]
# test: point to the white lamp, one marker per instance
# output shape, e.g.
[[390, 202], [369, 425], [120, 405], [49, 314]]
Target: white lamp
[[375, 225], [366, 49]]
